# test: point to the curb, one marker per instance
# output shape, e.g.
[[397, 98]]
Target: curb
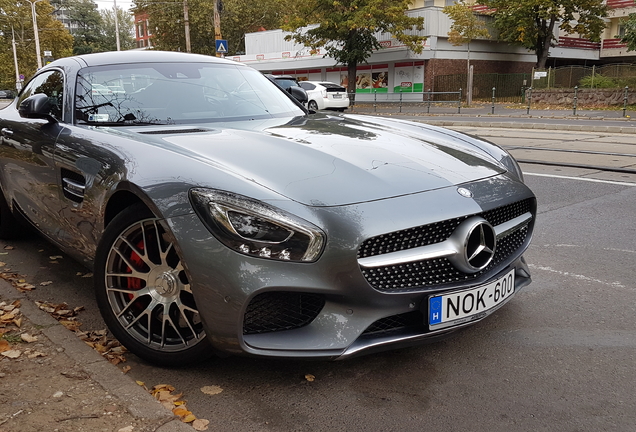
[[139, 403], [538, 126]]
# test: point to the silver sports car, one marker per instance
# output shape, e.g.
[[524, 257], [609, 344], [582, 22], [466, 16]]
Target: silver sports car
[[218, 215]]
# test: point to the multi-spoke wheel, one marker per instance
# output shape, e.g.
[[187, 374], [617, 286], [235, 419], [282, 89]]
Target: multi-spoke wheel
[[313, 105], [144, 294]]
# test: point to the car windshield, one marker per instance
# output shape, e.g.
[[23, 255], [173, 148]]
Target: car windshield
[[173, 93]]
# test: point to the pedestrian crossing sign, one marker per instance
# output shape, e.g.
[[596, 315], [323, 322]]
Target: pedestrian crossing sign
[[221, 46]]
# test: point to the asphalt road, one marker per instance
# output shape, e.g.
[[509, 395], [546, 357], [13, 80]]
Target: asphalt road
[[559, 356]]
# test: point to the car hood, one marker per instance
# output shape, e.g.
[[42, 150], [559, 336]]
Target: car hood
[[325, 160]]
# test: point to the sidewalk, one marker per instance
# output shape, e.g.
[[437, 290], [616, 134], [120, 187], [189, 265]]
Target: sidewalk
[[50, 380]]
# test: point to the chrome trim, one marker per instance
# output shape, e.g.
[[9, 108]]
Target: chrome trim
[[448, 248], [73, 187], [506, 228], [437, 250]]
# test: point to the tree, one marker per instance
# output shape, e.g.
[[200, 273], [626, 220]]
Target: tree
[[466, 26], [86, 26], [532, 23], [237, 18], [347, 29], [126, 30], [629, 24], [16, 19]]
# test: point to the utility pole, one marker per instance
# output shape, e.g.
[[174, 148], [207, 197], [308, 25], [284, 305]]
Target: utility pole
[[35, 33], [18, 83], [116, 27], [186, 20], [217, 23]]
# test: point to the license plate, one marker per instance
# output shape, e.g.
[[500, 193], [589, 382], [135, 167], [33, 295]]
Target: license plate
[[337, 96], [449, 310]]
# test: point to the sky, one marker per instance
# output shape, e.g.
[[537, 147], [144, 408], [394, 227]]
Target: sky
[[108, 4]]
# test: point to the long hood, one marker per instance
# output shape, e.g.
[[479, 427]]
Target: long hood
[[328, 160]]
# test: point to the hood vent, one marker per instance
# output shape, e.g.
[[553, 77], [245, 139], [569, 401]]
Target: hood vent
[[172, 131]]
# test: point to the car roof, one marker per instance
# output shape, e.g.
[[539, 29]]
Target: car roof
[[146, 56]]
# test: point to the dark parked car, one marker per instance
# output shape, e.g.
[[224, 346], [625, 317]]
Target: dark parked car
[[217, 214], [7, 94], [290, 84]]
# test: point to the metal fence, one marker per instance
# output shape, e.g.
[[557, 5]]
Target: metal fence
[[619, 75], [510, 87]]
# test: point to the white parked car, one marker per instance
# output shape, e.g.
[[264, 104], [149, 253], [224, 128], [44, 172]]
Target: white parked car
[[325, 95]]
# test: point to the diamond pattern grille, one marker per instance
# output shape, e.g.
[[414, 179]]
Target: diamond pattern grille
[[279, 310], [437, 272]]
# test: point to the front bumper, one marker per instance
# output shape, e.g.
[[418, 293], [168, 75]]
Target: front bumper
[[225, 282]]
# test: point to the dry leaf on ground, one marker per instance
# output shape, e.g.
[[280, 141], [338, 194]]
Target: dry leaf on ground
[[310, 377], [12, 354], [28, 338], [45, 283], [200, 424], [211, 390]]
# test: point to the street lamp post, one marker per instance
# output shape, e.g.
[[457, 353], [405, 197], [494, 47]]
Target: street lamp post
[[35, 32]]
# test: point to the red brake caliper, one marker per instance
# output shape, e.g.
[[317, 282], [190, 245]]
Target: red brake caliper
[[135, 283]]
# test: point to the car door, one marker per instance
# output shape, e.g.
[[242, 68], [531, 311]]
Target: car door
[[27, 168]]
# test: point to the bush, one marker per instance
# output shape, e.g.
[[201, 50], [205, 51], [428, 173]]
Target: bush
[[599, 81]]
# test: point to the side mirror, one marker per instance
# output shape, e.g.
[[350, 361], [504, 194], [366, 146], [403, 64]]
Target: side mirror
[[299, 94], [36, 106]]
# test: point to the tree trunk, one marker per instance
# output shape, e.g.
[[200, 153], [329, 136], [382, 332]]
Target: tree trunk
[[544, 42], [351, 81]]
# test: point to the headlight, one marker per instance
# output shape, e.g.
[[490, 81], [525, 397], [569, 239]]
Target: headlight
[[255, 228], [511, 164]]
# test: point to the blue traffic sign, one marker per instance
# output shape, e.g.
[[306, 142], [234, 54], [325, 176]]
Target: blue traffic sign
[[221, 46]]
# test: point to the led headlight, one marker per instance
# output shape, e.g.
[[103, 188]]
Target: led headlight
[[255, 228]]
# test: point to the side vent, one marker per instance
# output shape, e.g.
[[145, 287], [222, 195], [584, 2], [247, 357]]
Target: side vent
[[73, 185]]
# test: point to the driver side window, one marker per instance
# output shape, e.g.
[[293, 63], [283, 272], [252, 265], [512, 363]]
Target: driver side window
[[51, 84]]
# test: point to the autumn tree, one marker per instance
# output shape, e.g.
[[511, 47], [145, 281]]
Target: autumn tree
[[237, 18], [126, 30], [16, 20], [532, 23], [466, 26], [347, 29], [629, 25]]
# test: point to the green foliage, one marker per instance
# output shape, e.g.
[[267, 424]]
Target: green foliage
[[598, 81], [531, 23], [346, 28], [126, 30], [237, 18], [466, 25], [629, 24], [16, 19]]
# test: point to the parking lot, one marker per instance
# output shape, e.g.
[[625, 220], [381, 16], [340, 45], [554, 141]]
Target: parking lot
[[559, 356]]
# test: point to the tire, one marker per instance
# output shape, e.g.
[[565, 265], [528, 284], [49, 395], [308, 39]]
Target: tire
[[158, 322], [10, 228], [313, 105]]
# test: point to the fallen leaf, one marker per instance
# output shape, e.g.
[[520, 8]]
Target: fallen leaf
[[28, 338], [9, 248], [126, 369], [54, 257], [4, 346], [87, 275], [35, 354], [200, 424], [13, 354], [45, 283], [211, 390], [2, 264], [181, 412], [310, 377], [17, 322], [189, 418], [140, 383], [126, 429]]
